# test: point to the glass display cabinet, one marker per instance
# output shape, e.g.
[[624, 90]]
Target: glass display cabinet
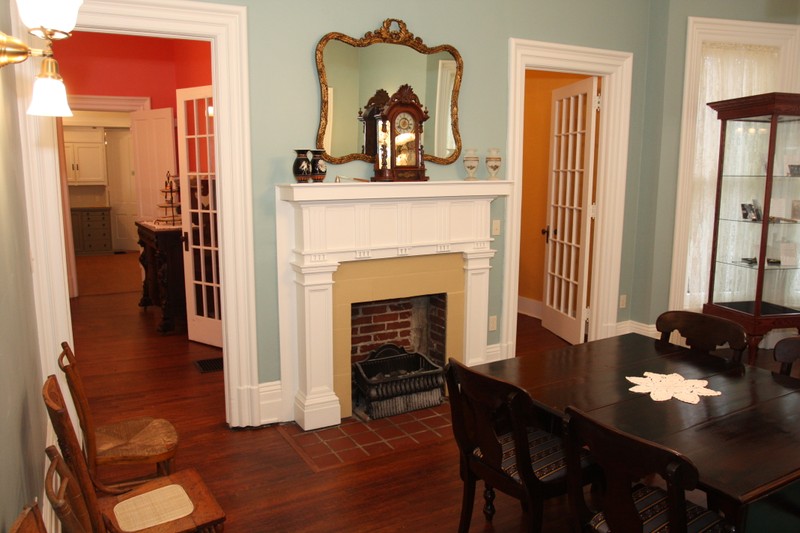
[[754, 266]]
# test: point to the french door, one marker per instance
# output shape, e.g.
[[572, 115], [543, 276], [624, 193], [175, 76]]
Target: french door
[[570, 210], [196, 158]]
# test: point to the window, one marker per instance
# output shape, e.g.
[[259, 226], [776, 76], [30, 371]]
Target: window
[[725, 59]]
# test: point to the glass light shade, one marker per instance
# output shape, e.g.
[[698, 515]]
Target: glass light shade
[[49, 94], [59, 15]]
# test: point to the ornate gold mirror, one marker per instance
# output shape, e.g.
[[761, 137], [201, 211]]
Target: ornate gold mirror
[[352, 72]]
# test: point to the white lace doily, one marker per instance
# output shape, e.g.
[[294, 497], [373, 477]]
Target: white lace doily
[[662, 387]]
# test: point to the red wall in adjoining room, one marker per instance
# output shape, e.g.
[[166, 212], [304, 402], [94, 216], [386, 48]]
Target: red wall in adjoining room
[[101, 64]]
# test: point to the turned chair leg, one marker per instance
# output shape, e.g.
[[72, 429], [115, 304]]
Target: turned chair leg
[[467, 499], [488, 507]]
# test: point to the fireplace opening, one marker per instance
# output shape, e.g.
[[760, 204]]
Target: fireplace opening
[[398, 354]]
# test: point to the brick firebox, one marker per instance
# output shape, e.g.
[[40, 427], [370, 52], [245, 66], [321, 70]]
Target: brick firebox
[[417, 324]]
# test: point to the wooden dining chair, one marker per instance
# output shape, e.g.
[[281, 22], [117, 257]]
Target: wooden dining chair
[[703, 332], [29, 521], [178, 502], [130, 441], [65, 496], [786, 352], [627, 505], [504, 440]]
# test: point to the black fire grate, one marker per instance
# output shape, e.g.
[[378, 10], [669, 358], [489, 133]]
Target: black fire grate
[[392, 381], [209, 365]]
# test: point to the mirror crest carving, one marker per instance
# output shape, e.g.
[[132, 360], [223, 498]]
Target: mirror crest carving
[[342, 131]]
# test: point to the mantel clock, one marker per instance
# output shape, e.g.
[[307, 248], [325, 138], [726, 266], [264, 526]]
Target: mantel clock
[[399, 150]]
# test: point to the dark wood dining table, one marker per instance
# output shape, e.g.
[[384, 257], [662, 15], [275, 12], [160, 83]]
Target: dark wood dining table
[[745, 442]]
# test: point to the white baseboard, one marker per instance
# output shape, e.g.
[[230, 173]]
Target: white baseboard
[[271, 404], [629, 326], [529, 307]]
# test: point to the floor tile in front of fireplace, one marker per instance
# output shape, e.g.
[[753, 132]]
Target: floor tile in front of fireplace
[[355, 440]]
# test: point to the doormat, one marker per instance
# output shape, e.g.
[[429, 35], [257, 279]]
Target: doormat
[[209, 365]]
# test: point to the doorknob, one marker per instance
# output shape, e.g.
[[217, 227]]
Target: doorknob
[[546, 233]]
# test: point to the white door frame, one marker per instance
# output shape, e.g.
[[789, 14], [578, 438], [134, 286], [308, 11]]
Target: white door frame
[[615, 68], [226, 28]]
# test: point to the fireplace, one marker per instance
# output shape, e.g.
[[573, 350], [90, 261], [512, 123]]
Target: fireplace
[[343, 243]]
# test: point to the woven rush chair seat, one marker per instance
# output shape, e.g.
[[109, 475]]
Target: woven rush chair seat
[[130, 441], [136, 440], [652, 506]]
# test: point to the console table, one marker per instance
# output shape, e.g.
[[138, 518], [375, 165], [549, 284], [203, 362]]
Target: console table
[[162, 259]]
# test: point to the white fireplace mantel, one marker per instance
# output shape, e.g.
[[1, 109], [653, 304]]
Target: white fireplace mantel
[[320, 225]]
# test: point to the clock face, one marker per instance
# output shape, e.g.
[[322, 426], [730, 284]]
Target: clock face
[[404, 123]]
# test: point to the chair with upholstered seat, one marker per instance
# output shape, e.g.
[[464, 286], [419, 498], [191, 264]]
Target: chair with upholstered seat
[[786, 352], [703, 332], [130, 441], [504, 440], [628, 505], [178, 502], [29, 521]]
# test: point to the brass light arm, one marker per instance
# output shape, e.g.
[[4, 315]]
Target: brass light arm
[[12, 50]]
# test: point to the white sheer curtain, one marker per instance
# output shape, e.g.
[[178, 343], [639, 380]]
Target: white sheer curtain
[[730, 70]]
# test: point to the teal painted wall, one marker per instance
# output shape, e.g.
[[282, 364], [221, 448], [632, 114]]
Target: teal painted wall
[[284, 112], [22, 439]]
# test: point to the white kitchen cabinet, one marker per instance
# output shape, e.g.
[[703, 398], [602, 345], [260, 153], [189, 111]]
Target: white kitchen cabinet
[[85, 153]]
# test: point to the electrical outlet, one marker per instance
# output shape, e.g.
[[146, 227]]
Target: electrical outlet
[[493, 323], [495, 227], [623, 301]]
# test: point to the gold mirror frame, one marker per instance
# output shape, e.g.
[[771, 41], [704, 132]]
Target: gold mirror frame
[[401, 36]]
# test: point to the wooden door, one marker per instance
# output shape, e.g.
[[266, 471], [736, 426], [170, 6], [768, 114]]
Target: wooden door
[[197, 159], [153, 156], [570, 210], [122, 189]]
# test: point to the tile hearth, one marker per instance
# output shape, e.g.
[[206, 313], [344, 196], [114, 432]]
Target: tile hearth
[[355, 440]]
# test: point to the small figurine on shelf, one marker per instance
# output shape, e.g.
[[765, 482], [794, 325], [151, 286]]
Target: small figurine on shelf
[[172, 204]]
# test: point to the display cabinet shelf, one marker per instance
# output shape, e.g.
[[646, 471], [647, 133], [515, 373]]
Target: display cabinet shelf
[[754, 277]]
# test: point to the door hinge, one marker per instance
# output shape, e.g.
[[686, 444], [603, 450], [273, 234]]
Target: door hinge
[[593, 210], [597, 102]]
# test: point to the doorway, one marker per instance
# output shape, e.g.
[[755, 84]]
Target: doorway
[[615, 71], [140, 195], [225, 27]]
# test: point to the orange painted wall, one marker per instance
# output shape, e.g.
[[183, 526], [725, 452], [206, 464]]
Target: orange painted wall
[[535, 160], [102, 64]]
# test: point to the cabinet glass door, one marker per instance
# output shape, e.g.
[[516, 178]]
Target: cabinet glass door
[[781, 293], [741, 212]]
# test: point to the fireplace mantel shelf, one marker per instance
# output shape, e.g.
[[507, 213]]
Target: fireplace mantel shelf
[[321, 192]]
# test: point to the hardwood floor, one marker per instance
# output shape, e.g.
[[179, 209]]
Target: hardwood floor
[[258, 478]]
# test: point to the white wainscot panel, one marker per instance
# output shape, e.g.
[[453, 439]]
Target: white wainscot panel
[[384, 225], [425, 223], [340, 227], [464, 220]]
